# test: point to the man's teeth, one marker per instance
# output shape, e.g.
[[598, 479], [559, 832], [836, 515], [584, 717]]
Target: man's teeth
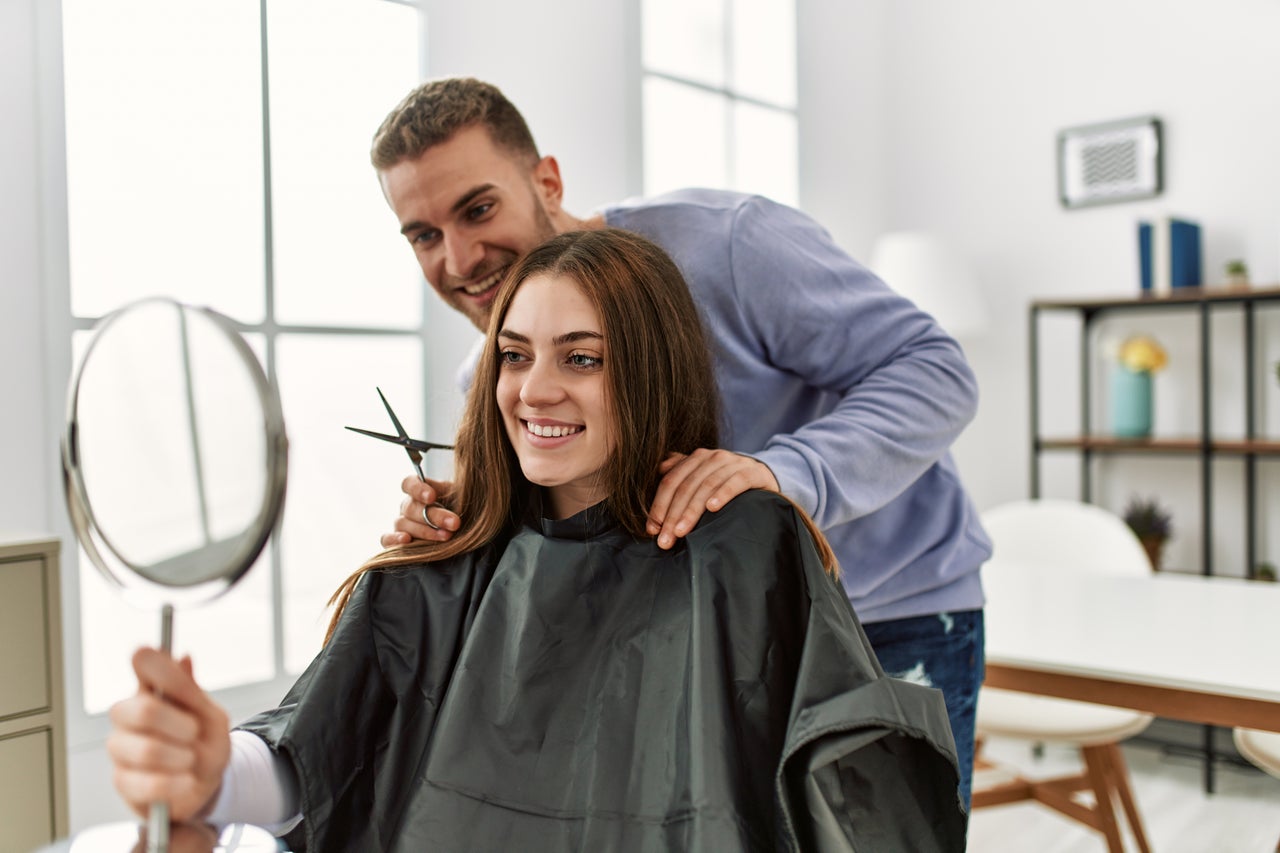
[[553, 431], [483, 284]]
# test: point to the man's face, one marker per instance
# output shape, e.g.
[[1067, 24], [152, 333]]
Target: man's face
[[470, 210]]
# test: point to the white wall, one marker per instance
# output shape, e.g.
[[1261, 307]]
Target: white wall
[[977, 92]]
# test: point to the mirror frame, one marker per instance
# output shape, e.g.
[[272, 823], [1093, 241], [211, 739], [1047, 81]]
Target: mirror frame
[[98, 545]]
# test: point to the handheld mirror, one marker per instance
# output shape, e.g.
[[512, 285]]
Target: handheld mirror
[[174, 460]]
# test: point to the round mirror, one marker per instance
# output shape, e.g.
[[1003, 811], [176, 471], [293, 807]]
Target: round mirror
[[174, 461], [174, 453]]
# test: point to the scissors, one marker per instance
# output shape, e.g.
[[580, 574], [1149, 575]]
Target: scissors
[[415, 448]]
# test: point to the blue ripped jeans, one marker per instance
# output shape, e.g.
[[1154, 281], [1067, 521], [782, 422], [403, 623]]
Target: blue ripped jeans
[[943, 651]]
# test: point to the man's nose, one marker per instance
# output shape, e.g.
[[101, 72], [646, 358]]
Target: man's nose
[[542, 384], [461, 255]]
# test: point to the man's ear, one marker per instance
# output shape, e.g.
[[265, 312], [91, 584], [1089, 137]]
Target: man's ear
[[546, 178]]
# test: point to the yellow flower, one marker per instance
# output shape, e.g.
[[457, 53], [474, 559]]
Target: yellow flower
[[1141, 353]]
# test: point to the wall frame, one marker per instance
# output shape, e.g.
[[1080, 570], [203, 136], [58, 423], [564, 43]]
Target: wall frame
[[1110, 162]]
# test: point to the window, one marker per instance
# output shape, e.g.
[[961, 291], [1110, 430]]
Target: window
[[719, 93], [218, 153]]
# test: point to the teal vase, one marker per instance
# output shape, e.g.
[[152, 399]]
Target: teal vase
[[1130, 403]]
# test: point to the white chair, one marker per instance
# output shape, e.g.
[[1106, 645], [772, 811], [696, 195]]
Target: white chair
[[1064, 536], [1261, 748]]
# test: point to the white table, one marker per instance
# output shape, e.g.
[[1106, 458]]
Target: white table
[[1202, 649]]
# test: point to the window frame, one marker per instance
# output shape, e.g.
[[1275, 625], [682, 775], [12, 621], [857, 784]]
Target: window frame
[[86, 730], [730, 95]]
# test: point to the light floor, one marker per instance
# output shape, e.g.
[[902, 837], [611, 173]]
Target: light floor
[[1243, 816]]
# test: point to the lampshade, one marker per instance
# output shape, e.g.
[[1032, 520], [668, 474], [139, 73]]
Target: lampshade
[[933, 276]]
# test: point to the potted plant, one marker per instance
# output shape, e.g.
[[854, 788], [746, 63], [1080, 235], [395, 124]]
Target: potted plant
[[1152, 524], [1237, 273]]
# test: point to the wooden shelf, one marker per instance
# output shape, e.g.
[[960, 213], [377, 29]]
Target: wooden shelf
[[1110, 444], [1180, 297]]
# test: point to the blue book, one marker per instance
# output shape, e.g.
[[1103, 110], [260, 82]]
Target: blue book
[[1169, 255], [1184, 254], [1144, 258]]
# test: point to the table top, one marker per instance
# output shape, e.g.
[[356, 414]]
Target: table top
[[1209, 634]]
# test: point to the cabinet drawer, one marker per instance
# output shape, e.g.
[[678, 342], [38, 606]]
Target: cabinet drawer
[[26, 791], [24, 639]]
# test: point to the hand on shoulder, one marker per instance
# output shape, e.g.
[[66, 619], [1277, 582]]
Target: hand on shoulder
[[702, 481]]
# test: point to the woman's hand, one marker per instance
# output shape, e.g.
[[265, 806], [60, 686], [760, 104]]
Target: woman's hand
[[169, 742], [704, 480], [410, 526]]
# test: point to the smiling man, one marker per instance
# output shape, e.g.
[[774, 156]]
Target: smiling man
[[836, 391]]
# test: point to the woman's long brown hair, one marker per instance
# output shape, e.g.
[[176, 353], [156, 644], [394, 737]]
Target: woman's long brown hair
[[660, 388]]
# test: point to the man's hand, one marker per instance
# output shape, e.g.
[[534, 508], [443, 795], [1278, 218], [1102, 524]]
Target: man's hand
[[169, 742], [410, 526], [704, 480]]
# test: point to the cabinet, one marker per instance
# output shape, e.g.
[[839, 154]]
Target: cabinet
[[33, 749], [1203, 447]]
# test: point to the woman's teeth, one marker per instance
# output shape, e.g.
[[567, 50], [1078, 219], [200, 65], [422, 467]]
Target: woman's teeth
[[547, 431]]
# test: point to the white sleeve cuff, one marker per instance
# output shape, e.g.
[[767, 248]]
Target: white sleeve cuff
[[258, 787]]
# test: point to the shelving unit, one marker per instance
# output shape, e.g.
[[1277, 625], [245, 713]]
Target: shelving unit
[[1203, 446], [1090, 444]]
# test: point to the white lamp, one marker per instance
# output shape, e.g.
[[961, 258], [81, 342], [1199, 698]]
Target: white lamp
[[933, 276]]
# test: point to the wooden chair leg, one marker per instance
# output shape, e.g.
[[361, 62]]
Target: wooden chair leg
[[1120, 777], [1095, 763]]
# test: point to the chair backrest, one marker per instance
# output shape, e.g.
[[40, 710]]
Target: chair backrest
[[1059, 535]]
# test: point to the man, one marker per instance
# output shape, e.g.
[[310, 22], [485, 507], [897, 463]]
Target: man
[[837, 392]]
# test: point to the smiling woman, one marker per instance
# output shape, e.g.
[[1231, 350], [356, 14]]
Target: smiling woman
[[549, 678], [551, 392]]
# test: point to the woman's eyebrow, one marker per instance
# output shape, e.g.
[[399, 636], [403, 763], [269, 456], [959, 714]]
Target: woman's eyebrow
[[574, 337], [558, 340]]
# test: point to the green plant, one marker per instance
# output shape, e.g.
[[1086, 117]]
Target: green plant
[[1265, 571], [1236, 267], [1148, 519]]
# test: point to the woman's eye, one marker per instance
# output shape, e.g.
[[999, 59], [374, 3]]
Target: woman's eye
[[582, 360], [510, 357]]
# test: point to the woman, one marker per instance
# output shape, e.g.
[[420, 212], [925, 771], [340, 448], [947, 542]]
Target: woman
[[549, 679]]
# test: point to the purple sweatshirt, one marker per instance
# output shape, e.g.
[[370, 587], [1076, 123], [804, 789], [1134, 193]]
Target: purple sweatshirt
[[848, 392]]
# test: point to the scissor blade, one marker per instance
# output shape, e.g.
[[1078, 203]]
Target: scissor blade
[[394, 439], [410, 443], [424, 446], [399, 429]]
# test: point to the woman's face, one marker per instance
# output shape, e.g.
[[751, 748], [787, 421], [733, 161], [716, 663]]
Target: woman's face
[[551, 391]]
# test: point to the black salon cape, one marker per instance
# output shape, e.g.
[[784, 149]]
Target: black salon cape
[[577, 689]]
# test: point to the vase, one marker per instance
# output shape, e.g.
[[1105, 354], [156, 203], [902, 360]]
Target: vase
[[1130, 403]]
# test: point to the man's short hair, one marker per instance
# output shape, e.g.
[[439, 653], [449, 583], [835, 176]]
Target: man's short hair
[[436, 110]]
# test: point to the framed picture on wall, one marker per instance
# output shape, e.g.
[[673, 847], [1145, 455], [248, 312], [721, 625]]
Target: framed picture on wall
[[1110, 162]]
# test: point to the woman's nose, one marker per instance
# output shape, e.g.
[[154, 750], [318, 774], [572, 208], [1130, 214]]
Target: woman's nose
[[542, 386]]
